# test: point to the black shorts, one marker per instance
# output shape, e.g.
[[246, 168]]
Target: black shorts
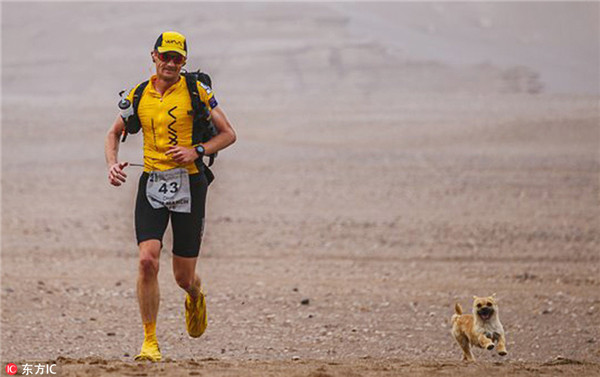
[[150, 223]]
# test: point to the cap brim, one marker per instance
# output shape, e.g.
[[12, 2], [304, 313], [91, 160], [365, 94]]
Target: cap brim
[[171, 49]]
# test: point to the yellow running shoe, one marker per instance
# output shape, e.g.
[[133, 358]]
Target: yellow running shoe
[[195, 315], [150, 352]]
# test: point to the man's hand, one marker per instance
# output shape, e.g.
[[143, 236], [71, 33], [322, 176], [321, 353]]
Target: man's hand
[[116, 175], [182, 155]]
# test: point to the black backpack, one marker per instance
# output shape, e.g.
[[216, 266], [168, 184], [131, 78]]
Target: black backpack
[[203, 128]]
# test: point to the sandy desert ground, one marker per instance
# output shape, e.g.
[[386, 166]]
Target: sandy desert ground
[[376, 182]]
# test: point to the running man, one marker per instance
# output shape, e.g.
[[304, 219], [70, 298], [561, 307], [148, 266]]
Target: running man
[[173, 184]]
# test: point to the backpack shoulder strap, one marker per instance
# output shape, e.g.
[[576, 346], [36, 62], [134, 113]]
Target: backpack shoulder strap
[[192, 85], [137, 95]]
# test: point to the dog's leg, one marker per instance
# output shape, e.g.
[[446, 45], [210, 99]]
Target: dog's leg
[[463, 342], [502, 345], [485, 342]]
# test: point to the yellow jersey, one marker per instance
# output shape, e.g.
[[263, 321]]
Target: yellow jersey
[[167, 121]]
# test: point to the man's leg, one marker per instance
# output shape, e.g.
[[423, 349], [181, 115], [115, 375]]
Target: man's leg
[[184, 269], [187, 238], [147, 285], [150, 225], [149, 297]]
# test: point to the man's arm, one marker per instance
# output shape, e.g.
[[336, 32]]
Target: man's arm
[[116, 175], [226, 135]]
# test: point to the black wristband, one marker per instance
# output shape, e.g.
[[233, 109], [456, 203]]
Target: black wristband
[[200, 150]]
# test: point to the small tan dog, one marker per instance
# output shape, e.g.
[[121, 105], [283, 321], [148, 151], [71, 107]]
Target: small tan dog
[[482, 328]]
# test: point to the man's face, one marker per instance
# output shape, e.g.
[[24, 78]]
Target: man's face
[[168, 65]]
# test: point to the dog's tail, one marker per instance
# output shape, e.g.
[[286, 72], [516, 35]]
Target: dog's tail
[[458, 312], [457, 308]]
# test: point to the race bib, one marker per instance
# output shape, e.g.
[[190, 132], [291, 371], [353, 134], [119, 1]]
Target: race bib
[[171, 189]]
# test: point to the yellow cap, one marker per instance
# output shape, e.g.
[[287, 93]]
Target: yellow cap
[[171, 41]]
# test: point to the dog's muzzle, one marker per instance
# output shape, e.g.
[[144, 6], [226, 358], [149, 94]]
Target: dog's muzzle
[[485, 313]]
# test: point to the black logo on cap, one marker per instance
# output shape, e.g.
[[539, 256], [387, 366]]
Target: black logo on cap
[[178, 43]]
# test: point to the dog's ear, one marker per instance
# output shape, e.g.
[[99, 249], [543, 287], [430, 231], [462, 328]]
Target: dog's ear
[[475, 298]]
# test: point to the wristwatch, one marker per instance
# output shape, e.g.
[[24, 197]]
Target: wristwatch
[[200, 150]]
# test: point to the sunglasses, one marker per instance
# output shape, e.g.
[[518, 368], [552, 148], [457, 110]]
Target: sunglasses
[[166, 57]]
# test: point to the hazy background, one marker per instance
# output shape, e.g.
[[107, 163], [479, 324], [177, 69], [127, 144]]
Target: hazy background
[[106, 45], [266, 56]]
